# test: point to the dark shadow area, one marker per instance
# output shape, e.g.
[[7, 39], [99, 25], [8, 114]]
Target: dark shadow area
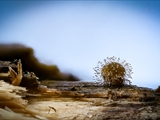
[[10, 52]]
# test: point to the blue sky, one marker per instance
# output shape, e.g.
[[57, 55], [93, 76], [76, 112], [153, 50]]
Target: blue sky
[[76, 35]]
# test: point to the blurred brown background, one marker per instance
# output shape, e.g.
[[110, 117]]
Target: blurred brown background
[[10, 52]]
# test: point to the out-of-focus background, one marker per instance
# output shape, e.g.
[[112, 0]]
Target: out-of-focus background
[[76, 35]]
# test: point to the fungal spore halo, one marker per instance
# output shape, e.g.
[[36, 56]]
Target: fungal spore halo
[[113, 72]]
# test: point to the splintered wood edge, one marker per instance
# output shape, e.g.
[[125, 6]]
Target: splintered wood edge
[[16, 78]]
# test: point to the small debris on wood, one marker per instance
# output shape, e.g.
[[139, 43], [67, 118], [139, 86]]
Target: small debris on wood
[[52, 109]]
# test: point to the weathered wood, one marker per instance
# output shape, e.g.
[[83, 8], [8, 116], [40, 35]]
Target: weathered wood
[[13, 74], [80, 100], [4, 68], [86, 100]]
